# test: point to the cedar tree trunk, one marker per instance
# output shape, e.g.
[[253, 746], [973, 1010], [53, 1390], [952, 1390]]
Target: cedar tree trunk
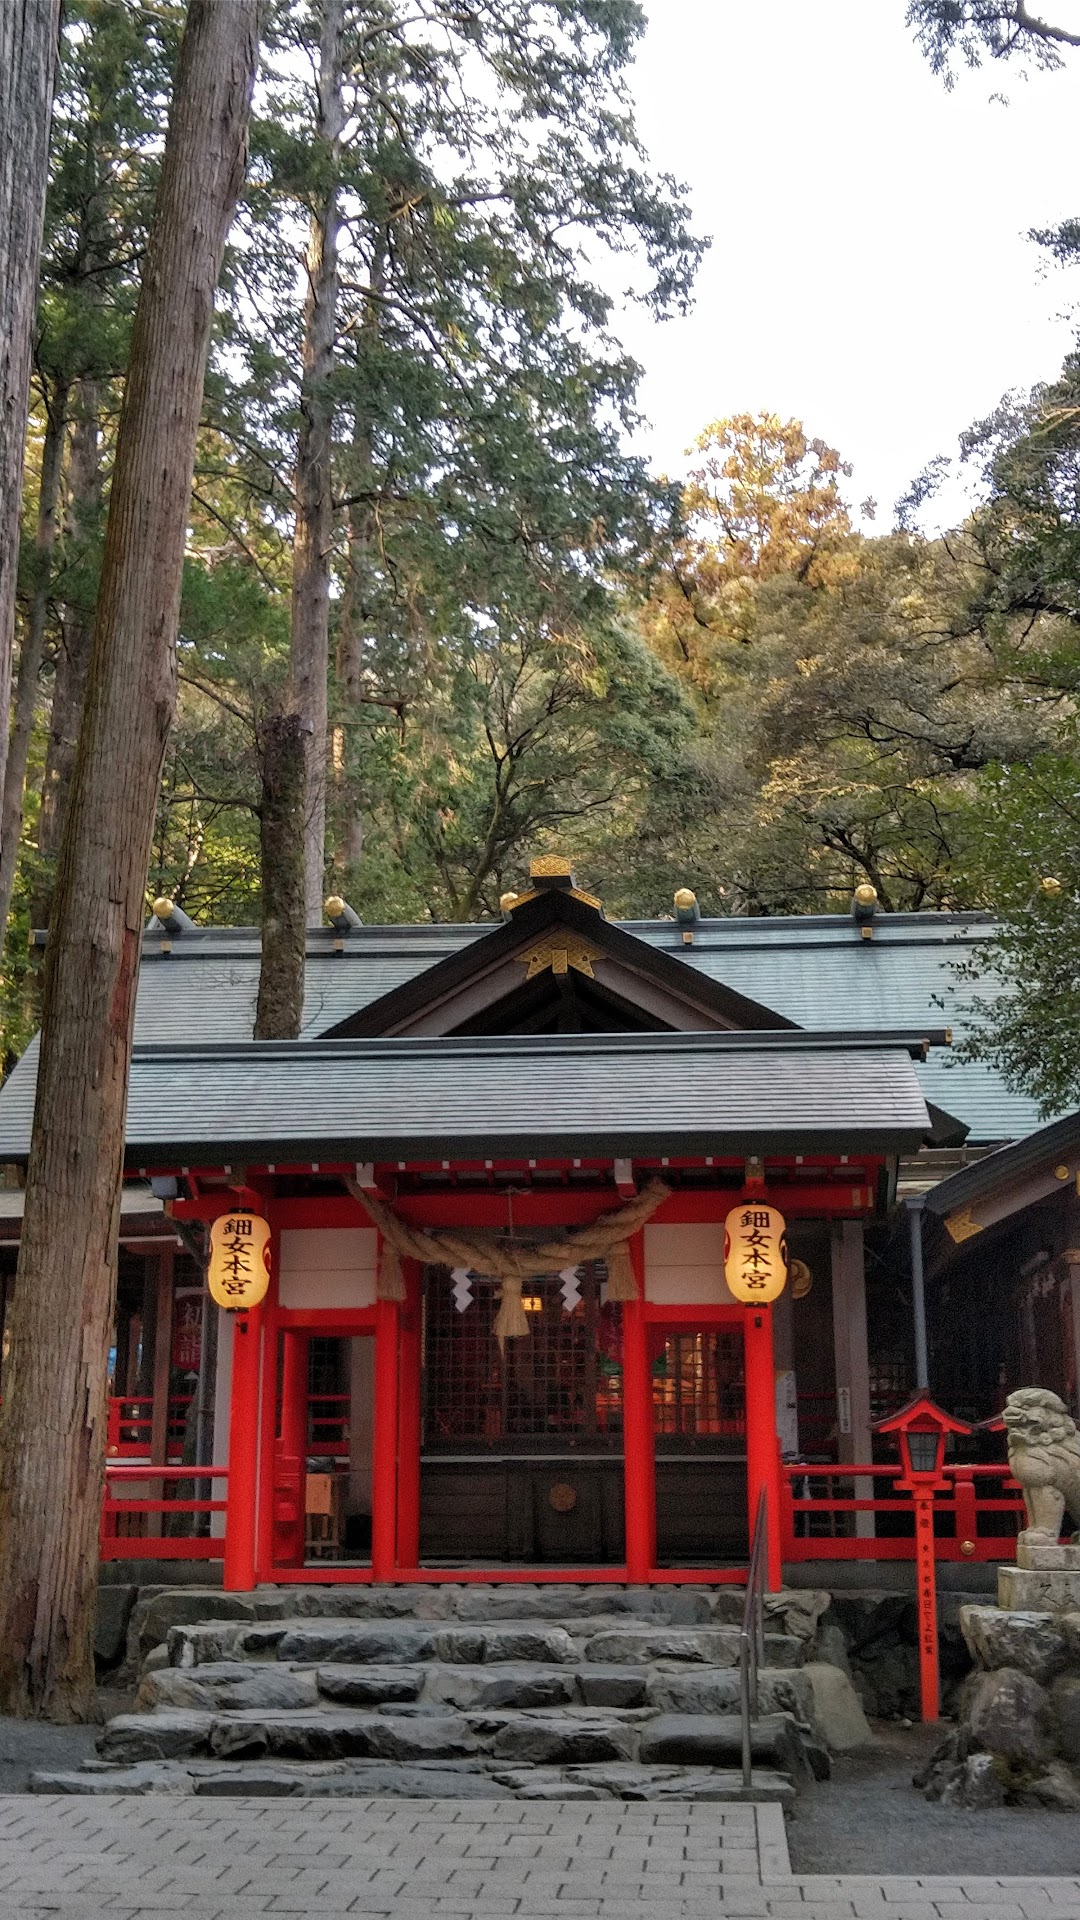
[[310, 629], [32, 649], [85, 493], [280, 1004], [52, 1426], [29, 31]]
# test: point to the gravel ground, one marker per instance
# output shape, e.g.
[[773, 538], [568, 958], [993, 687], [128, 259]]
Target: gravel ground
[[869, 1819]]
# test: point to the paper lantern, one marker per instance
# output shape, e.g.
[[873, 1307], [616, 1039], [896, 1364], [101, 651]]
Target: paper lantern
[[239, 1270], [755, 1254]]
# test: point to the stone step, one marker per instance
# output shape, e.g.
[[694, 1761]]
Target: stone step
[[228, 1685], [342, 1641], [566, 1736], [466, 1780]]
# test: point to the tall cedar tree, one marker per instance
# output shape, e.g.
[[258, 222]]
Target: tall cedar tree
[[28, 39], [53, 1417], [448, 184]]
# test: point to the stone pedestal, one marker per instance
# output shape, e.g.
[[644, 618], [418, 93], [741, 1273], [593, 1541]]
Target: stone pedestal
[[1044, 1580]]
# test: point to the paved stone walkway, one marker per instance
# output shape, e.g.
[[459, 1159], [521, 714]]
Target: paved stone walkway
[[139, 1858]]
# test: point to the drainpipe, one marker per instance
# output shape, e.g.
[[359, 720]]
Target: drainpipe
[[918, 1293]]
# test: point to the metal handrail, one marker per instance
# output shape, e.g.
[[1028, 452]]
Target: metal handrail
[[752, 1631]]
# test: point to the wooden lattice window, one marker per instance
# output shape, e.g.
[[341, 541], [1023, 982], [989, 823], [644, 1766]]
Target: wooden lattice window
[[561, 1383], [698, 1385]]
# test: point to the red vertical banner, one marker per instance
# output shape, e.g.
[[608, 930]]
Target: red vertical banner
[[926, 1584], [762, 1441], [639, 1451]]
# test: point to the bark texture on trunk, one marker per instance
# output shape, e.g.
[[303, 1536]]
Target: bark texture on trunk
[[313, 537], [85, 494], [280, 1005], [52, 1425], [32, 649], [29, 30]]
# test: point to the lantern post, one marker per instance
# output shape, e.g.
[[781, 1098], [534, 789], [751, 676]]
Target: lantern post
[[921, 1428]]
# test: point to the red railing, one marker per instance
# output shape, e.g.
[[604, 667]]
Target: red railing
[[133, 1525], [328, 1425], [131, 1422], [977, 1517]]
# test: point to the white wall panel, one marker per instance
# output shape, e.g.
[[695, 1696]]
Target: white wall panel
[[327, 1267], [684, 1266]]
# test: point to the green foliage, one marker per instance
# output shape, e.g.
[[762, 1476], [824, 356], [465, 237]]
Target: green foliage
[[976, 30]]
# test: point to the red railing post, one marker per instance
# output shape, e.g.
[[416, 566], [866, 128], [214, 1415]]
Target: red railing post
[[384, 1444], [967, 1525], [926, 1590]]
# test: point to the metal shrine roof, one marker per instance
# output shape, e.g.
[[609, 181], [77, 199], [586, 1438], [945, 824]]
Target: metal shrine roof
[[816, 970], [425, 1099]]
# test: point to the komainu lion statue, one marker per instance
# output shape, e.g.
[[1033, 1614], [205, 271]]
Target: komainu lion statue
[[1044, 1455]]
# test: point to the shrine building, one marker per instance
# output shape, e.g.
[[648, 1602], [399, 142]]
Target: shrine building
[[498, 1342]]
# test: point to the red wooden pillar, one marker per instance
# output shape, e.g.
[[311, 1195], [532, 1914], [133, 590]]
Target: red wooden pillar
[[409, 1389], [762, 1443], [291, 1454], [239, 1574], [639, 1453], [385, 1443]]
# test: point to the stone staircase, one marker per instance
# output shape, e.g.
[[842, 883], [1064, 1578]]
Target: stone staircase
[[533, 1692]]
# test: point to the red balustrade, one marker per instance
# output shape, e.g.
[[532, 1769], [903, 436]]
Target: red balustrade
[[977, 1517], [132, 1523], [131, 1421]]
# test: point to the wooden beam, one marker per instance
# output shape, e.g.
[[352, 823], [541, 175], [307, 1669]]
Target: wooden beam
[[966, 1222]]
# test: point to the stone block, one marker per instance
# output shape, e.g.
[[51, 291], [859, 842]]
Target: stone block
[[366, 1643], [340, 1736], [715, 1740], [1047, 1559], [641, 1646], [1030, 1590], [835, 1712], [228, 1685], [1008, 1714], [154, 1736], [779, 1691], [183, 1606], [482, 1686], [613, 1686], [1030, 1642], [563, 1741], [369, 1686], [471, 1645]]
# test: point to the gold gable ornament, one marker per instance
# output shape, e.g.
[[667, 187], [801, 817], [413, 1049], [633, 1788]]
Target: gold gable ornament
[[238, 1273], [560, 956]]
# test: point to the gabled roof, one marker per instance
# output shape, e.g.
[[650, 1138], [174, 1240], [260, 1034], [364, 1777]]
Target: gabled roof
[[1044, 1163], [582, 1094], [627, 971]]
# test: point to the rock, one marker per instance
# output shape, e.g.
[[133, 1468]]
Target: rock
[[369, 1686], [1009, 1715], [157, 1658], [835, 1713], [546, 1783], [640, 1646], [214, 1640], [365, 1643], [182, 1606], [975, 1784], [144, 1778], [559, 1603], [496, 1643], [797, 1610], [715, 1740], [562, 1741], [1065, 1707], [154, 1736], [504, 1687], [114, 1610], [340, 1736], [1031, 1643], [228, 1685], [779, 1691], [613, 1686], [1058, 1788], [340, 1603]]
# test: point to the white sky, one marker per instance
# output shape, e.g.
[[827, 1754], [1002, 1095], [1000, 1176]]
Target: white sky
[[870, 271]]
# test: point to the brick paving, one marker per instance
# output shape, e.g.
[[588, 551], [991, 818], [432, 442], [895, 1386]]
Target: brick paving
[[138, 1858]]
